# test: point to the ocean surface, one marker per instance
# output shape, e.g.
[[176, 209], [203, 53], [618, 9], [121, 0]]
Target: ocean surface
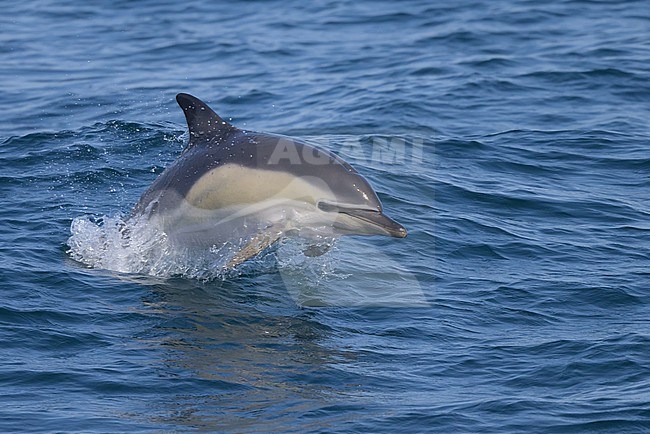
[[511, 138]]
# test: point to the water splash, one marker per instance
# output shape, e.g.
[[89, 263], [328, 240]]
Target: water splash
[[340, 277], [132, 246]]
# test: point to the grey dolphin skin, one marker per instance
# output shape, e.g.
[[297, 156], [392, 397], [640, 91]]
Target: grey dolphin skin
[[250, 189]]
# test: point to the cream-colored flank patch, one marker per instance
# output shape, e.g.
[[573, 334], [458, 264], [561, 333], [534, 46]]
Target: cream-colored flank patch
[[232, 184]]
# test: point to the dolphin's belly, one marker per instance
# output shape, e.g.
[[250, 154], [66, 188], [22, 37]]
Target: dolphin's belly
[[192, 227]]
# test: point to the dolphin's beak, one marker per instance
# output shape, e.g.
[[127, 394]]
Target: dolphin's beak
[[376, 223]]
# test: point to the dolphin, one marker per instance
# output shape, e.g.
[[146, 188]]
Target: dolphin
[[249, 189]]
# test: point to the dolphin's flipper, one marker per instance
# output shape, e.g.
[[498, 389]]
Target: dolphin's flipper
[[204, 124], [258, 243], [314, 250]]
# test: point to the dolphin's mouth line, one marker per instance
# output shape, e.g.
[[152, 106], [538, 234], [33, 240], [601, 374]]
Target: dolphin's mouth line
[[343, 208]]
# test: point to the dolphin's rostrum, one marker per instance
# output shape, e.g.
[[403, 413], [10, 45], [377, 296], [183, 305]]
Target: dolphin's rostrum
[[249, 189]]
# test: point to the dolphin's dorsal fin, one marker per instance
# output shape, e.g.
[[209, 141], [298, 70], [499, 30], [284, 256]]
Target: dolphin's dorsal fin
[[203, 122]]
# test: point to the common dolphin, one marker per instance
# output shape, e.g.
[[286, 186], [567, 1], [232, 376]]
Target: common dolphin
[[250, 189]]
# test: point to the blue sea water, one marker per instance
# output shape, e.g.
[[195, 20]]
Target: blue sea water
[[511, 138]]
